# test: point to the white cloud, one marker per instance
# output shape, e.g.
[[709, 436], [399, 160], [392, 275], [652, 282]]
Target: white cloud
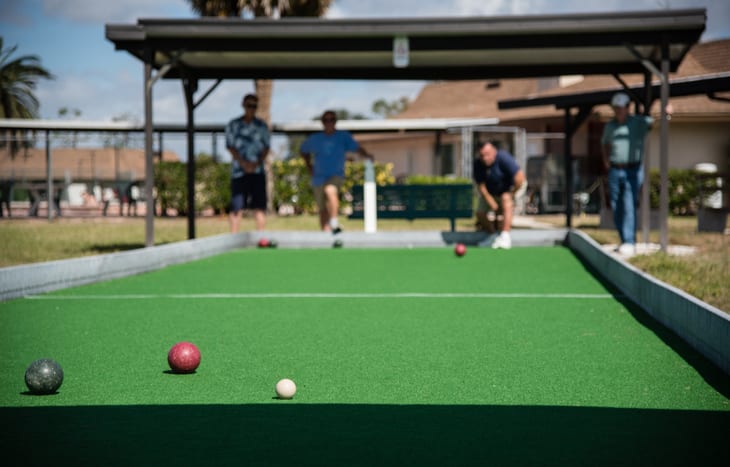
[[114, 11], [425, 8]]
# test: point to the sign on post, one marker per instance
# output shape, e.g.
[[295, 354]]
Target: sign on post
[[401, 52]]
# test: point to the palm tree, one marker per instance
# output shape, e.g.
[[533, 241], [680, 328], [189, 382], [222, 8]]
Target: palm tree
[[261, 9], [18, 77]]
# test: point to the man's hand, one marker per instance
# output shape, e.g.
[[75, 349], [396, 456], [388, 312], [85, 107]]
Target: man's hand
[[249, 167]]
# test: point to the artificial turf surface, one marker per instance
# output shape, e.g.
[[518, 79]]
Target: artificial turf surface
[[381, 355]]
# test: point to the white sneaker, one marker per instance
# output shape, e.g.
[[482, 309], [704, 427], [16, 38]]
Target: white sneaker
[[487, 242], [627, 249], [503, 241]]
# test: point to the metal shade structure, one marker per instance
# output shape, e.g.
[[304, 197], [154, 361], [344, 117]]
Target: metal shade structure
[[438, 48], [706, 84], [398, 49]]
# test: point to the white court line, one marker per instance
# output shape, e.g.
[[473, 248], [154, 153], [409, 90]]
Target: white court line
[[323, 295]]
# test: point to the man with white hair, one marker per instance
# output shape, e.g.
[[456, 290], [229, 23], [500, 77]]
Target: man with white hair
[[623, 152]]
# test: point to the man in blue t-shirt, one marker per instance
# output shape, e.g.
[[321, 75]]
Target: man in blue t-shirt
[[498, 178], [623, 151], [324, 154], [247, 139]]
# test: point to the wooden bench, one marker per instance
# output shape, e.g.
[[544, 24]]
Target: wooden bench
[[418, 202]]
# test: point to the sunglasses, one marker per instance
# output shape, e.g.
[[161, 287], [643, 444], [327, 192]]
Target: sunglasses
[[251, 106], [329, 120]]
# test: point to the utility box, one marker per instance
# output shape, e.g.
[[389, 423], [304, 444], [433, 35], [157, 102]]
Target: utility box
[[713, 202]]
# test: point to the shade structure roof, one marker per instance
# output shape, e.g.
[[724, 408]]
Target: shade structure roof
[[426, 48], [706, 84], [309, 126]]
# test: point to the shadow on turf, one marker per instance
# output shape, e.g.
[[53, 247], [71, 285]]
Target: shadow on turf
[[710, 372], [301, 434], [115, 247], [28, 393]]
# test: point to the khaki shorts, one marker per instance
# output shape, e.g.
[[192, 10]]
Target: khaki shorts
[[518, 197], [482, 205], [319, 196]]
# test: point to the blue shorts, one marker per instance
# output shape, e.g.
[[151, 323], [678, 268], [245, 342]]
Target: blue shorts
[[248, 192]]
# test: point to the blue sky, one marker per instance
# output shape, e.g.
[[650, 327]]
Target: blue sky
[[68, 36]]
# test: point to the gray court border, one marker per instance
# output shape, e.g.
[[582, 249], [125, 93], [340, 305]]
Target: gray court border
[[701, 325], [704, 327]]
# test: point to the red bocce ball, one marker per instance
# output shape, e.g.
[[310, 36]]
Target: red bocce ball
[[183, 357], [460, 249]]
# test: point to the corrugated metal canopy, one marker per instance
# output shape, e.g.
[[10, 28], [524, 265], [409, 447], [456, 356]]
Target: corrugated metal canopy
[[439, 48], [309, 126], [705, 84]]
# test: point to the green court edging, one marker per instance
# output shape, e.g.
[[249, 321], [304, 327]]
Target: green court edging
[[701, 325]]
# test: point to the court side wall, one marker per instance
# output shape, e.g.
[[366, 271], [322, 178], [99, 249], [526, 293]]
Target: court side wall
[[704, 327], [19, 281]]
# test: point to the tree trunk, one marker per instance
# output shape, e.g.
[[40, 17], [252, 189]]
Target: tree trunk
[[264, 88]]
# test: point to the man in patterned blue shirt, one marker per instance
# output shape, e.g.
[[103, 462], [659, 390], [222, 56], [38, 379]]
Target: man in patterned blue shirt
[[328, 167], [247, 139]]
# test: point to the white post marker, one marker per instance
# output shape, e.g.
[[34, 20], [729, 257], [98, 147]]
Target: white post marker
[[370, 198], [401, 52]]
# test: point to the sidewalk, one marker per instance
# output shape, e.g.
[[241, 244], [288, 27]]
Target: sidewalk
[[650, 248]]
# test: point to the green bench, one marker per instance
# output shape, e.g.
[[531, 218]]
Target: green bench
[[418, 202]]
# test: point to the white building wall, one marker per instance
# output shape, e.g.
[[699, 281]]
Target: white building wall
[[411, 153], [691, 143]]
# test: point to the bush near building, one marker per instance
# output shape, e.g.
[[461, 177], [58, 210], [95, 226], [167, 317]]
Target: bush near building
[[292, 189], [685, 187], [292, 192]]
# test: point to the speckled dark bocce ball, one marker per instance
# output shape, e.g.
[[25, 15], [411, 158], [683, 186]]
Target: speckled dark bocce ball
[[44, 376]]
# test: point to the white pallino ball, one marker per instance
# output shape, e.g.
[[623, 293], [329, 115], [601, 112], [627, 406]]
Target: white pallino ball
[[286, 389]]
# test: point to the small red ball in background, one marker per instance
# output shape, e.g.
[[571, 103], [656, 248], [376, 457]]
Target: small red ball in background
[[264, 243], [183, 357], [460, 249]]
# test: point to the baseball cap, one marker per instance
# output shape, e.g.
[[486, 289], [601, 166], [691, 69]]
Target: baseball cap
[[620, 99]]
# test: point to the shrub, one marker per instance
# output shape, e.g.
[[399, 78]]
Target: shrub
[[435, 180], [171, 187], [212, 185], [292, 183], [684, 190]]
